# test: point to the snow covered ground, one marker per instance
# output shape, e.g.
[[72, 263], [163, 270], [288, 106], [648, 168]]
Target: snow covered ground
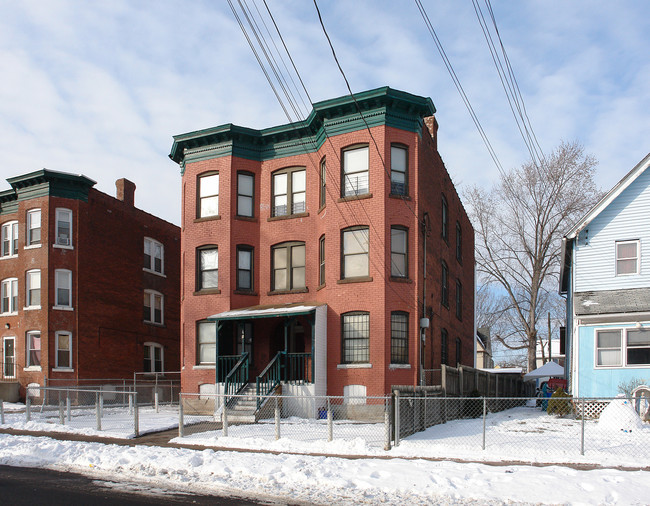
[[516, 435]]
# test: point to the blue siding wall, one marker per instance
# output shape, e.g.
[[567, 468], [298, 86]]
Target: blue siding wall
[[626, 218], [602, 382]]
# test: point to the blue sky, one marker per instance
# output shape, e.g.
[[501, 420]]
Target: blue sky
[[99, 88]]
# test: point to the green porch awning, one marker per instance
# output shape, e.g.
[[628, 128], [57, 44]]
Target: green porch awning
[[265, 311]]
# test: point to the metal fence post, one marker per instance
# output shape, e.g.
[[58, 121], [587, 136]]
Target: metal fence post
[[68, 405], [101, 402], [155, 399], [130, 403], [28, 408], [330, 421], [387, 424], [484, 414], [180, 416], [277, 419], [582, 430], [61, 412], [397, 418], [98, 414], [136, 419], [224, 418], [2, 412]]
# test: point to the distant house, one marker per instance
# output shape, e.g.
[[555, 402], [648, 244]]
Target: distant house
[[556, 352], [484, 358], [606, 278], [89, 283]]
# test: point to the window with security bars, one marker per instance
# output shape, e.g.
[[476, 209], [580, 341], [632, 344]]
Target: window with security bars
[[289, 192], [399, 325], [355, 337], [444, 350], [398, 170], [355, 172]]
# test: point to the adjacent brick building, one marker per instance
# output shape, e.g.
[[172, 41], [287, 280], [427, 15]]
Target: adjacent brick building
[[75, 267], [311, 246]]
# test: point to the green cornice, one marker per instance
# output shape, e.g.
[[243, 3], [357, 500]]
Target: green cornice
[[382, 106], [42, 183]]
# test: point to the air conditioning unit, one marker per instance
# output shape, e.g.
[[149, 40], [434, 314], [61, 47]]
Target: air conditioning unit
[[63, 241]]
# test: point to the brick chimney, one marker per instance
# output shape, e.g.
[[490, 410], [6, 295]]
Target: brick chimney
[[125, 191], [432, 125]]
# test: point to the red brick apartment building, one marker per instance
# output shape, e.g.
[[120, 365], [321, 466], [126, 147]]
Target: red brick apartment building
[[75, 267], [307, 250]]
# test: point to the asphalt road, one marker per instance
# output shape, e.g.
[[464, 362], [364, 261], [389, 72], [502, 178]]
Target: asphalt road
[[30, 486]]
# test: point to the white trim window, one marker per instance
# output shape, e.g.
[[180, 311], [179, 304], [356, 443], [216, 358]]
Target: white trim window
[[9, 296], [33, 349], [63, 350], [9, 239], [245, 194], [208, 274], [627, 258], [62, 288], [355, 172], [398, 170], [153, 358], [208, 195], [289, 191], [63, 232], [206, 343], [637, 347], [33, 288], [609, 348], [153, 307], [399, 252], [355, 253], [33, 228], [9, 357], [154, 256]]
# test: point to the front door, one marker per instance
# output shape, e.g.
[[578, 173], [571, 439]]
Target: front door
[[9, 359]]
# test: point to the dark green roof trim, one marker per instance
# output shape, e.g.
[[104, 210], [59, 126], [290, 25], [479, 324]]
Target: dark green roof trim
[[43, 183], [382, 106]]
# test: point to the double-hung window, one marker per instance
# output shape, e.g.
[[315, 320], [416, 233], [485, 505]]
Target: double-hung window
[[399, 333], [356, 337], [321, 260], [33, 288], [398, 170], [638, 347], [10, 239], [244, 268], [289, 192], [627, 257], [323, 183], [459, 242], [288, 268], [208, 272], [154, 256], [33, 227], [9, 295], [63, 350], [459, 351], [355, 253], [444, 292], [206, 343], [208, 204], [444, 217], [62, 288], [444, 350], [153, 307], [33, 348], [459, 300], [355, 172], [609, 348], [245, 194], [399, 252], [63, 233], [153, 358]]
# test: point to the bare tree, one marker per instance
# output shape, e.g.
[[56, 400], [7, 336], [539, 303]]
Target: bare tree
[[519, 225]]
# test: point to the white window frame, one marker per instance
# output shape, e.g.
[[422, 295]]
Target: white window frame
[[359, 236], [244, 198], [620, 348], [636, 258], [29, 241], [60, 274], [150, 247], [293, 266], [203, 267], [63, 215], [203, 196], [397, 233], [10, 239], [57, 365], [29, 335], [398, 172], [33, 282], [355, 172], [152, 347], [289, 186], [209, 344], [152, 296], [9, 290], [628, 347], [5, 363]]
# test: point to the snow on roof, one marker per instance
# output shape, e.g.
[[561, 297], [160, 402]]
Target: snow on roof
[[505, 370]]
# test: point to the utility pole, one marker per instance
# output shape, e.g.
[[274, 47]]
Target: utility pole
[[550, 353]]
